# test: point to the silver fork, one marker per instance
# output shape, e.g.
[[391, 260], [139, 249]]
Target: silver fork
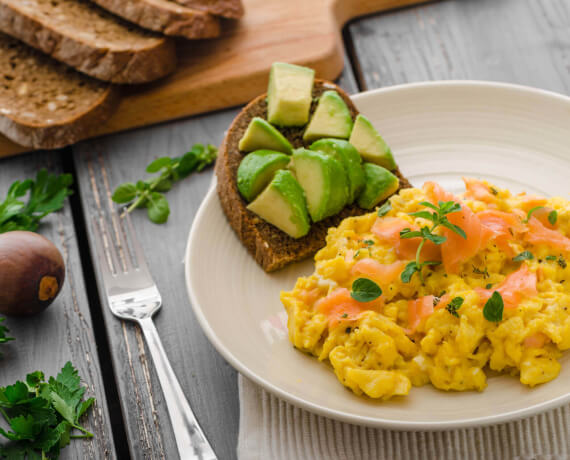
[[132, 295]]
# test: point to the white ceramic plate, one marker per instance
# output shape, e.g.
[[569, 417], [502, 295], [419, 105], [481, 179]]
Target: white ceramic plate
[[514, 136]]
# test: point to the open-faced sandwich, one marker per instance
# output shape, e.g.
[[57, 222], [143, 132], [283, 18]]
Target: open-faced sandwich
[[297, 161]]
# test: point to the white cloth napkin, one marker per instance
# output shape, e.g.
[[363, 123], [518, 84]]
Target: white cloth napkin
[[271, 429]]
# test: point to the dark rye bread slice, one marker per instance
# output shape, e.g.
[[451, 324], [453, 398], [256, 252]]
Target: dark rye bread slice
[[46, 104], [269, 246], [166, 17], [232, 9], [88, 38]]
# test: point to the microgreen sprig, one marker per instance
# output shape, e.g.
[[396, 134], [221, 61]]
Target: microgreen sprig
[[438, 218], [150, 193], [3, 330]]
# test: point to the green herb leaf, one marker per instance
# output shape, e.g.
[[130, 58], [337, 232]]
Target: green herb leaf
[[488, 285], [384, 209], [42, 415], [407, 233], [409, 271], [125, 193], [365, 290], [493, 309], [46, 194], [529, 214], [427, 234], [454, 305], [552, 217], [3, 331], [550, 258], [562, 262], [368, 242], [425, 215], [453, 228], [525, 255], [158, 209], [158, 164], [148, 194]]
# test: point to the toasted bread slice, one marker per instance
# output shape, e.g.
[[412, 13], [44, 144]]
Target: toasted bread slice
[[88, 38], [269, 246], [166, 17], [45, 104], [232, 9]]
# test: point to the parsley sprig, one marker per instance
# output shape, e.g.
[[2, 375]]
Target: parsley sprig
[[438, 218], [42, 415], [150, 193], [3, 330], [45, 194]]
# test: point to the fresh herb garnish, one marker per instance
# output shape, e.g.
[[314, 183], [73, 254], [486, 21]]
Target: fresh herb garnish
[[368, 242], [478, 271], [45, 194], [365, 290], [529, 214], [42, 415], [550, 258], [438, 218], [344, 315], [525, 255], [454, 305], [150, 193], [562, 262], [3, 330], [384, 209], [494, 191], [356, 254], [493, 309], [488, 285], [552, 217]]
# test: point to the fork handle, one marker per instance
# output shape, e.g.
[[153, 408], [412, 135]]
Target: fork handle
[[190, 439]]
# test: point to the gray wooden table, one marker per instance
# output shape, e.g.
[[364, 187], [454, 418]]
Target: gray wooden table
[[518, 41]]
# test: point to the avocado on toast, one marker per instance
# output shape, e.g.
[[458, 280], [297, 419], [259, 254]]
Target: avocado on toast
[[269, 246]]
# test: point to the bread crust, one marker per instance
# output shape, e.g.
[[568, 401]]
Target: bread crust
[[232, 9], [270, 247], [165, 17], [45, 104], [147, 58]]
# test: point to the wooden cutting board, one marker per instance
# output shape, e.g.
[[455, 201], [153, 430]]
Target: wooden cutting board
[[231, 70]]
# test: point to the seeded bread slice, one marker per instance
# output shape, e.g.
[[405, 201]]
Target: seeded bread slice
[[165, 16], [88, 38], [45, 104], [269, 246], [232, 9]]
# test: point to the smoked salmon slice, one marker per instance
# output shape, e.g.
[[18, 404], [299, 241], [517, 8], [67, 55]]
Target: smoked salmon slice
[[539, 234], [476, 189], [381, 273], [503, 225], [388, 229], [456, 249], [417, 310], [339, 306], [514, 288]]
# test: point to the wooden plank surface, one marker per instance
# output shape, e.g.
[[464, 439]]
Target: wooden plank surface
[[208, 381], [516, 41], [231, 70], [63, 332]]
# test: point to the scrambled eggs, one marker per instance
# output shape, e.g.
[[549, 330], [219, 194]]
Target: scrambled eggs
[[417, 332]]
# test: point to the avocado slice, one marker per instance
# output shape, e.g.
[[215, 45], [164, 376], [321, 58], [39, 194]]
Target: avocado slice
[[261, 135], [257, 169], [282, 204], [370, 144], [324, 181], [380, 184], [289, 94], [332, 118], [348, 156]]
